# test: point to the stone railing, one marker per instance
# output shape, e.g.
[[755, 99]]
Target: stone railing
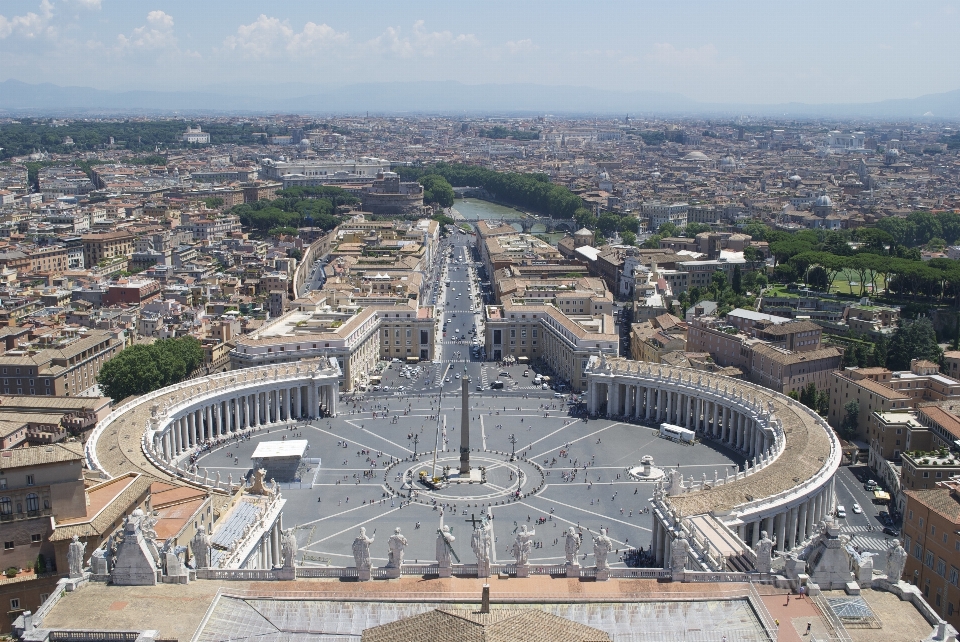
[[701, 576], [639, 573], [244, 574]]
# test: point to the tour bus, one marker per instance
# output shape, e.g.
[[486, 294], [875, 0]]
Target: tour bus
[[676, 433], [496, 385]]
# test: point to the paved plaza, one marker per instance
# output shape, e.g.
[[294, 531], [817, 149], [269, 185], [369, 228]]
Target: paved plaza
[[360, 482]]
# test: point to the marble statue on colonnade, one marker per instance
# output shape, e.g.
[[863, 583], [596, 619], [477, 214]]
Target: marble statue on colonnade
[[764, 551], [896, 560], [361, 553], [75, 552], [289, 548]]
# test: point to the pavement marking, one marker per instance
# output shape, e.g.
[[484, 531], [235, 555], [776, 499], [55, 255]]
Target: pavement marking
[[353, 423], [596, 432], [483, 434], [350, 528], [583, 510]]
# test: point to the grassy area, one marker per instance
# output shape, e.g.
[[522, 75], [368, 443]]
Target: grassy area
[[847, 276]]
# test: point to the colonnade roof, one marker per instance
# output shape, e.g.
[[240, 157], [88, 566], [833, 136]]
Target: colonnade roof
[[807, 444], [119, 448]]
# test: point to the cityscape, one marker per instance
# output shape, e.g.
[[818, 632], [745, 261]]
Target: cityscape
[[654, 306]]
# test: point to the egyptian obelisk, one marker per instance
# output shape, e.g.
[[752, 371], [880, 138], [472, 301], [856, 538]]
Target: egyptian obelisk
[[465, 424]]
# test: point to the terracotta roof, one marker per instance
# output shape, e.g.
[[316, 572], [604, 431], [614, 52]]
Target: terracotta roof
[[939, 500], [111, 500], [949, 422], [39, 455], [499, 625], [876, 388]]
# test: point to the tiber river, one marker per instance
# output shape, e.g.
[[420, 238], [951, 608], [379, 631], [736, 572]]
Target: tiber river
[[472, 209]]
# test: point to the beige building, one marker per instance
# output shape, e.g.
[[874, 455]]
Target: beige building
[[879, 389], [651, 340], [107, 245], [67, 366], [529, 333], [789, 371], [358, 337], [36, 484]]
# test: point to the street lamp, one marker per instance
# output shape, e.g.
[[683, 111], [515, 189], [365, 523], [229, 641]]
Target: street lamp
[[513, 447], [416, 439]]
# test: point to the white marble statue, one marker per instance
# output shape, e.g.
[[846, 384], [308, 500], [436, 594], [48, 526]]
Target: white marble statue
[[896, 559], [523, 545], [75, 553], [361, 548], [201, 546], [289, 547], [395, 545], [764, 551], [445, 541], [571, 545], [602, 545]]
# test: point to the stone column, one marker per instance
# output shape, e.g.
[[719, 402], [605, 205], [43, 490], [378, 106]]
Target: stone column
[[649, 403], [792, 527], [782, 531], [756, 533], [802, 523], [715, 430]]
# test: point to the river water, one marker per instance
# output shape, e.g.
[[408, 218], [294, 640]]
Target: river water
[[473, 209]]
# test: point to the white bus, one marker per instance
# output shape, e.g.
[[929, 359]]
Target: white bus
[[676, 433]]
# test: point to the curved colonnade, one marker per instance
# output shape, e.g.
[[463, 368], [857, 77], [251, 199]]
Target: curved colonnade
[[174, 422], [787, 486]]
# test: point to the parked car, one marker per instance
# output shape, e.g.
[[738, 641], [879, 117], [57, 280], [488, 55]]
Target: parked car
[[890, 530]]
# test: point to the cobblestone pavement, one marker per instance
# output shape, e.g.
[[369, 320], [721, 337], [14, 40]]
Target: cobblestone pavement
[[348, 490]]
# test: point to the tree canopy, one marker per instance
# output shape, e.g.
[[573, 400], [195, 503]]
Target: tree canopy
[[296, 207], [913, 340], [140, 369], [531, 191], [437, 190]]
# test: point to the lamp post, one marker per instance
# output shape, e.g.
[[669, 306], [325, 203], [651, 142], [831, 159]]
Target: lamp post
[[513, 447]]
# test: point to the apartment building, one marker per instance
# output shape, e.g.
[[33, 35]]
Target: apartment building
[[789, 371], [542, 332], [651, 340], [879, 389], [61, 366], [931, 525], [106, 245], [357, 337], [659, 212]]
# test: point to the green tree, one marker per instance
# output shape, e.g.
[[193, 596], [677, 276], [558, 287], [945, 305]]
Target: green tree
[[652, 242], [140, 369], [823, 402], [668, 229], [880, 352], [752, 254], [437, 190], [850, 421], [629, 238], [737, 280], [913, 340], [213, 202], [692, 229]]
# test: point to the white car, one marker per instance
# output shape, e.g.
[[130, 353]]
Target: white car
[[857, 509]]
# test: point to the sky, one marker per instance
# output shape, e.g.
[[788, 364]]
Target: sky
[[732, 51]]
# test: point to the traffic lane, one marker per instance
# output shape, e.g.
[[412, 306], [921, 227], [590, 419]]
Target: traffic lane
[[849, 492]]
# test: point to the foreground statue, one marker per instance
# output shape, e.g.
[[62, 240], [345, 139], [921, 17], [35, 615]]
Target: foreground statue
[[361, 553]]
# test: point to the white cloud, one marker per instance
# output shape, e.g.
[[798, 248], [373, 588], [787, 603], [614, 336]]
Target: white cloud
[[269, 36], [521, 46], [89, 4], [421, 43], [666, 54], [156, 34], [29, 25]]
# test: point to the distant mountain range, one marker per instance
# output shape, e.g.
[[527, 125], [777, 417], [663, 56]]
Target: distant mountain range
[[19, 98]]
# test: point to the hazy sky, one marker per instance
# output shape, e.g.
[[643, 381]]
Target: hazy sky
[[762, 52]]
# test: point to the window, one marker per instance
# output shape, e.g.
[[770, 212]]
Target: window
[[8, 546], [6, 506], [33, 502], [928, 559], [917, 551], [15, 604], [29, 480], [36, 537], [954, 575], [941, 567]]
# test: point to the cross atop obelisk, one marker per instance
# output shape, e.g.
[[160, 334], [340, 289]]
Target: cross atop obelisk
[[465, 424]]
